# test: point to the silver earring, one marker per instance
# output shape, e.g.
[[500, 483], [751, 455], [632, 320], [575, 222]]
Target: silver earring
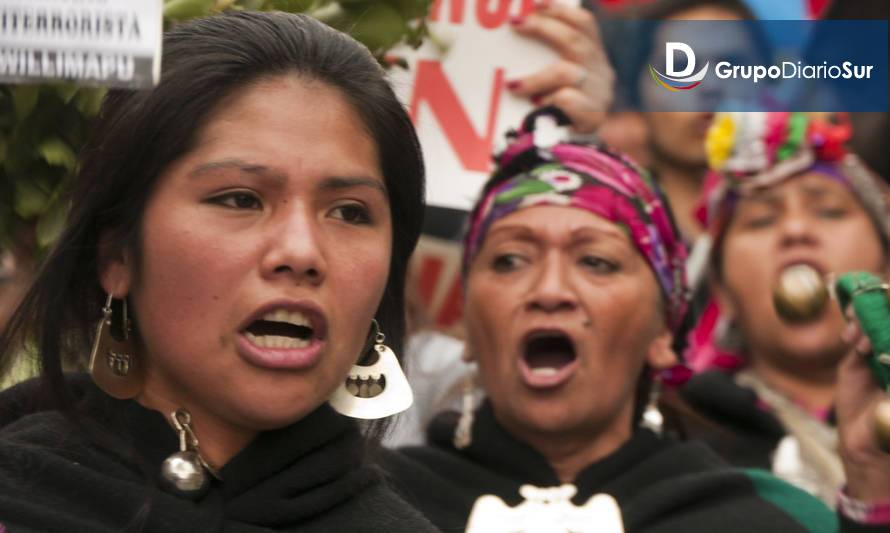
[[652, 418], [463, 432], [185, 472], [114, 366], [377, 389]]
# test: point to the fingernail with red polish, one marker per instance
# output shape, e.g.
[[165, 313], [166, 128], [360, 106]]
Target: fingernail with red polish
[[517, 21], [536, 99], [514, 85]]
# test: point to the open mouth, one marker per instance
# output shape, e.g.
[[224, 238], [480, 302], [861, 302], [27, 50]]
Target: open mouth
[[547, 353], [281, 329]]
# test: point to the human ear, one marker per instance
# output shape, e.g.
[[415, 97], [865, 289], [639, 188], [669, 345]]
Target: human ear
[[115, 267], [724, 299], [661, 355]]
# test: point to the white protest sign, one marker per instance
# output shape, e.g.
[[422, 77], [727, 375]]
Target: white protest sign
[[455, 90], [114, 43]]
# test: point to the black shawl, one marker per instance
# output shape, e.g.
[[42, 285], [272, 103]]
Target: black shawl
[[660, 485], [310, 476]]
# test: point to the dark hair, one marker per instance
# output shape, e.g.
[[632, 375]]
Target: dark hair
[[138, 134]]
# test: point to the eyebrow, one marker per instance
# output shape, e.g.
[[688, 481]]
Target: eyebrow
[[586, 233], [237, 164], [347, 182], [816, 191], [328, 184], [762, 197], [580, 234]]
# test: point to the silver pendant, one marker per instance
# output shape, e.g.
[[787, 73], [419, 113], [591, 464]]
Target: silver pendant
[[183, 473], [546, 510], [186, 473]]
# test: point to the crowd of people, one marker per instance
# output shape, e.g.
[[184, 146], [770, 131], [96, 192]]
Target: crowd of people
[[219, 332]]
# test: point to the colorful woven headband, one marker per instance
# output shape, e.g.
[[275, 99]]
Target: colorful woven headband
[[750, 151], [535, 172]]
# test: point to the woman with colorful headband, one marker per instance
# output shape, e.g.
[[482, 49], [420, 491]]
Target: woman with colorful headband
[[574, 290], [785, 201]]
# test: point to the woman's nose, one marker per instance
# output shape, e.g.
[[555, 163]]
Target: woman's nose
[[796, 227], [296, 250], [552, 290]]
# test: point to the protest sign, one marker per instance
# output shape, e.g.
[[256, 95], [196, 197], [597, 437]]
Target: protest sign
[[455, 89], [112, 43]]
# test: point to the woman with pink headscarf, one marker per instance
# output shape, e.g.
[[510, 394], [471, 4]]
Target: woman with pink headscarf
[[575, 288]]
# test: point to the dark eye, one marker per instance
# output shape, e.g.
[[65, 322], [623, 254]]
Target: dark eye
[[507, 262], [238, 200], [352, 213], [831, 212], [598, 264], [757, 220]]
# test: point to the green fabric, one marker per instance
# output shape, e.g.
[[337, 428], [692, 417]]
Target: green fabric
[[868, 295], [797, 130], [523, 189], [804, 508]]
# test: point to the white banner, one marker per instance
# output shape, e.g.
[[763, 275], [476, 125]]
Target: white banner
[[113, 43], [456, 91]]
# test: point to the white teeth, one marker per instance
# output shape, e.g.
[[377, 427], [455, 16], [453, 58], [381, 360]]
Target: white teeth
[[544, 371], [276, 341], [290, 317]]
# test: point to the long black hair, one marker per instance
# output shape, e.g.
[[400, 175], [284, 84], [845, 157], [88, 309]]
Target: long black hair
[[138, 134]]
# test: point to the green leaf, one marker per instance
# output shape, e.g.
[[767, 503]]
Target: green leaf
[[411, 9], [88, 101], [30, 200], [250, 5], [66, 91], [378, 26], [52, 221], [55, 152], [290, 6], [186, 9], [24, 98]]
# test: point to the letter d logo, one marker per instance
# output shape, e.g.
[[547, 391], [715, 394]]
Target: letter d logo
[[675, 81], [670, 49]]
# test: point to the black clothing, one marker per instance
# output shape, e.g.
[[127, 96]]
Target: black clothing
[[740, 431], [307, 477], [660, 485]]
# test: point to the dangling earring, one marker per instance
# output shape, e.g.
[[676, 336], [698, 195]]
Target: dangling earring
[[652, 418], [185, 472], [114, 366], [377, 389], [463, 431]]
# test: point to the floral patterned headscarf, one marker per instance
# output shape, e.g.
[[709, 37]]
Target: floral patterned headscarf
[[533, 171], [751, 151]]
